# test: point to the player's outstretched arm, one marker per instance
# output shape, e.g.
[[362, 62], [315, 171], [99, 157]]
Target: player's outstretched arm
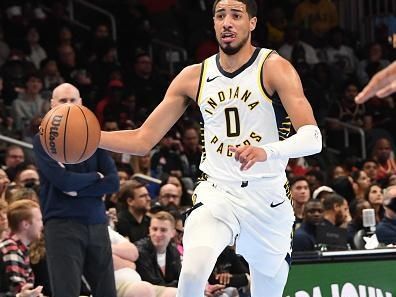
[[140, 141], [381, 85]]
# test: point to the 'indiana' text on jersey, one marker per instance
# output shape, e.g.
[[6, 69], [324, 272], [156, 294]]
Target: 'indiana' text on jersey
[[237, 110]]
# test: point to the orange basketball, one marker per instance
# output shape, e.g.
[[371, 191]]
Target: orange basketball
[[70, 133]]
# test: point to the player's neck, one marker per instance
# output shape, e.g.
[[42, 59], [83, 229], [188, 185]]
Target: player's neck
[[231, 63]]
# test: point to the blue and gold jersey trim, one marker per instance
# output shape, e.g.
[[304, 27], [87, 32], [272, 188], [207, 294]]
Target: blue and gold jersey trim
[[201, 81], [260, 76]]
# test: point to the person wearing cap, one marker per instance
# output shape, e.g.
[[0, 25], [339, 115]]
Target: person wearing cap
[[386, 228], [321, 192]]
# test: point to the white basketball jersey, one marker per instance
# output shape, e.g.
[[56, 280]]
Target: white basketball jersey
[[236, 110]]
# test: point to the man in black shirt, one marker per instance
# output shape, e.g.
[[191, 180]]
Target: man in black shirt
[[132, 219]]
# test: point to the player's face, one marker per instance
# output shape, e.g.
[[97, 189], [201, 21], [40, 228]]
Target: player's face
[[161, 233], [232, 26]]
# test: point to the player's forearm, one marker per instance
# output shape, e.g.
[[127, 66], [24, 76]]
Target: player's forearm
[[125, 141], [307, 141]]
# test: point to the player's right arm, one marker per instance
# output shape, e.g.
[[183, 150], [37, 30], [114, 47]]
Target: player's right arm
[[177, 98]]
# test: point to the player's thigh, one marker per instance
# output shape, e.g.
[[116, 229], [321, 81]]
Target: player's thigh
[[202, 229]]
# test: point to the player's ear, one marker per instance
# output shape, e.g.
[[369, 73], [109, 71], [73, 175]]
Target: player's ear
[[253, 23], [52, 103]]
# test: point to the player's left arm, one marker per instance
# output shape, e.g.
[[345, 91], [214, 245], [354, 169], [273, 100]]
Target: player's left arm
[[281, 77]]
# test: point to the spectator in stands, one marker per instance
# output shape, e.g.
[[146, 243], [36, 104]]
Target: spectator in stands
[[28, 178], [134, 201], [4, 182], [337, 171], [166, 158], [35, 53], [276, 27], [304, 238], [159, 260], [14, 158], [386, 229], [169, 195], [315, 179], [4, 228], [391, 180], [148, 85], [371, 168], [51, 76], [361, 182], [318, 16], [322, 192], [104, 63], [374, 195], [300, 193], [26, 224], [231, 271], [343, 186], [191, 154], [29, 104], [114, 93], [372, 64], [67, 61], [382, 154], [14, 72], [336, 210], [292, 40], [4, 48], [356, 224], [339, 55], [20, 193], [128, 281], [184, 185], [346, 110]]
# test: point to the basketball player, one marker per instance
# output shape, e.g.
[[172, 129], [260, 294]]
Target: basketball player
[[249, 98], [381, 85], [75, 223]]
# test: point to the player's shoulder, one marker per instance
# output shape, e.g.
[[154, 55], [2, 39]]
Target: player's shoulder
[[276, 67], [192, 71], [276, 60]]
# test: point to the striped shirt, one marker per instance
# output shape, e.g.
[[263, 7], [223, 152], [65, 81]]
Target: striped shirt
[[17, 263]]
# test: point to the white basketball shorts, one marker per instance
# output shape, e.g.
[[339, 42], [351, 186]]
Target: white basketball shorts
[[259, 214]]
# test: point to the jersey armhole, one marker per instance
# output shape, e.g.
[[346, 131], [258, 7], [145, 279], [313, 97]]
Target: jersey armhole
[[201, 82], [261, 75]]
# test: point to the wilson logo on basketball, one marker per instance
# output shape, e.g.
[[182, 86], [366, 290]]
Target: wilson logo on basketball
[[55, 123]]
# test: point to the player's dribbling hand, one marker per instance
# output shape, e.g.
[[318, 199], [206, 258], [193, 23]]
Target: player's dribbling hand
[[248, 155]]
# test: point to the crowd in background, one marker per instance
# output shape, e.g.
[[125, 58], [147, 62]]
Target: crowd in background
[[122, 81]]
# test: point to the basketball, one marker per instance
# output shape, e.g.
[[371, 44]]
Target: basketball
[[70, 133]]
